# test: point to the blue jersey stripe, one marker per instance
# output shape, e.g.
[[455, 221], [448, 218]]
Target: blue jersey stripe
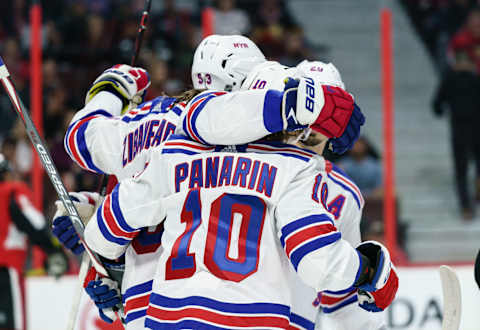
[[83, 149], [301, 321], [185, 324], [344, 303], [137, 289], [118, 212], [252, 308], [178, 151], [303, 222], [100, 112], [131, 316], [311, 246], [105, 232], [196, 112]]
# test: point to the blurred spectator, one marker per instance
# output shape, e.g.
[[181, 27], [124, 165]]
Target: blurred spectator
[[82, 38], [230, 20], [271, 21], [468, 39], [174, 39], [296, 49], [458, 91], [363, 166]]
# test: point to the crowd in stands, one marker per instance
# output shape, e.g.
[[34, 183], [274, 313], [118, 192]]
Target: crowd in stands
[[82, 38], [450, 30]]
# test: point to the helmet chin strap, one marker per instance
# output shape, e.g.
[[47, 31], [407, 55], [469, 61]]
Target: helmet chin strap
[[303, 136]]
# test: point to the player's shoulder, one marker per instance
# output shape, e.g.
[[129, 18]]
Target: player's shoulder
[[161, 105], [204, 96], [337, 177], [283, 150], [182, 145]]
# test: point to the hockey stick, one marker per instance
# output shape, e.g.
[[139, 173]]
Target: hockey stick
[[142, 26], [48, 164], [452, 298], [104, 180], [72, 317], [141, 30]]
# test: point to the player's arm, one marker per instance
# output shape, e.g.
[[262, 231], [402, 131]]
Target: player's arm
[[244, 116], [134, 203], [29, 220], [318, 253], [95, 136]]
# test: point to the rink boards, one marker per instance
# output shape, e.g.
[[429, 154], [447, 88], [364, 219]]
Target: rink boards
[[418, 305]]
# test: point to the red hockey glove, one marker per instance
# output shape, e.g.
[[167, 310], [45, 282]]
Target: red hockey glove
[[335, 113]]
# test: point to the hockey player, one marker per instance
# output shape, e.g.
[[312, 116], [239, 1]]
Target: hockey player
[[21, 222], [213, 68], [218, 65], [93, 141], [246, 211]]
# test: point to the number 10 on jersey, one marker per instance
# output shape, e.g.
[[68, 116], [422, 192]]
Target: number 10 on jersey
[[251, 209]]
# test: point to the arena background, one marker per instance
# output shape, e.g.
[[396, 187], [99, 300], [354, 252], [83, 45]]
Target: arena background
[[392, 56]]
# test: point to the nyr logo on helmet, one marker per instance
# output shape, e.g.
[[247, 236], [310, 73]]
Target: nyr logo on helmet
[[240, 45], [310, 91], [316, 68]]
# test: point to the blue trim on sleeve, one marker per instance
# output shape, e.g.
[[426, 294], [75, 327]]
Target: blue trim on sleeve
[[132, 316], [302, 222], [118, 212], [96, 112], [83, 149], [328, 310], [311, 246], [272, 114], [195, 114], [105, 232], [350, 289], [137, 289], [301, 321]]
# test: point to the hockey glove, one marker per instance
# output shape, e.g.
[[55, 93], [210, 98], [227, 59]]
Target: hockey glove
[[326, 109], [128, 83], [378, 281], [351, 134], [63, 229], [105, 293]]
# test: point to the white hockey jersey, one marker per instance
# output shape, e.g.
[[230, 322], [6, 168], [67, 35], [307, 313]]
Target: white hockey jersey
[[100, 140], [236, 222], [207, 125], [271, 76]]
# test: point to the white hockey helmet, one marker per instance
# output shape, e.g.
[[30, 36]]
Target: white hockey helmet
[[325, 73], [223, 62]]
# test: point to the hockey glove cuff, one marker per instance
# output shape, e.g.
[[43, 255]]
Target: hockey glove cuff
[[377, 281], [105, 293], [63, 230]]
